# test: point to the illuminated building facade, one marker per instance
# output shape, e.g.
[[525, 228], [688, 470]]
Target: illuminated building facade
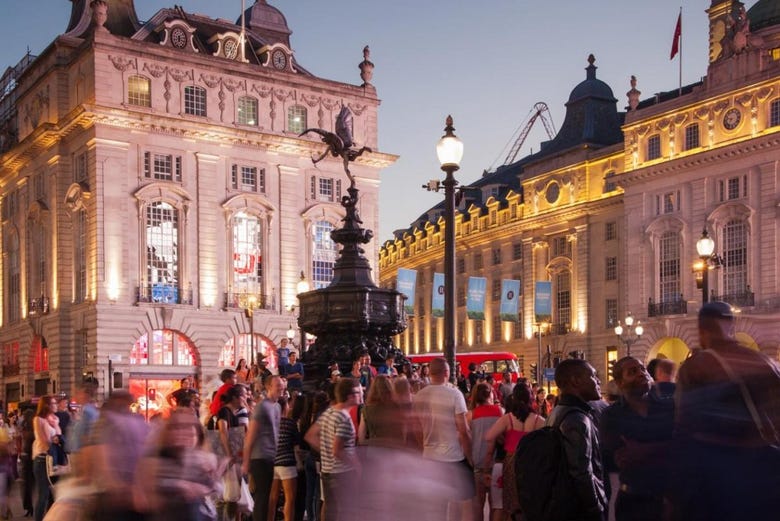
[[158, 204], [610, 210]]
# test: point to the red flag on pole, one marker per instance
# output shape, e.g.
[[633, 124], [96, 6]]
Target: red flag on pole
[[676, 39]]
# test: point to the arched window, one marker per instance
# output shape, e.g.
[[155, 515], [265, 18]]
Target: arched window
[[324, 253], [139, 91], [37, 256], [162, 253], [247, 254], [240, 347], [167, 347], [296, 119], [735, 239], [247, 110], [669, 267], [195, 100]]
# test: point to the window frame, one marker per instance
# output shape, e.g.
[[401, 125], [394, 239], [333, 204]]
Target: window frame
[[135, 96], [247, 106], [653, 147], [195, 101]]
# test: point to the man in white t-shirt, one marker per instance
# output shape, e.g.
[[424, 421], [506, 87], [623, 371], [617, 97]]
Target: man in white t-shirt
[[440, 410]]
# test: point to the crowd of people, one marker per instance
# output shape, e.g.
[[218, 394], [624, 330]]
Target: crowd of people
[[260, 447]]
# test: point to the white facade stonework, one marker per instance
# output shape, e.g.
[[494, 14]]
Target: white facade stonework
[[87, 137]]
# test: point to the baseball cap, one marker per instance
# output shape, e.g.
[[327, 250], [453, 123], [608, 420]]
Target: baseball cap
[[717, 309]]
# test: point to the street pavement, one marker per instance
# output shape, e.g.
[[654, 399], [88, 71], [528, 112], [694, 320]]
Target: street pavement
[[15, 501]]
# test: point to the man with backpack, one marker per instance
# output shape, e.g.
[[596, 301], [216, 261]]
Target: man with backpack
[[559, 468]]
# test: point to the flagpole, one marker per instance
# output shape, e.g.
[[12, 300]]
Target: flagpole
[[679, 92], [243, 31]]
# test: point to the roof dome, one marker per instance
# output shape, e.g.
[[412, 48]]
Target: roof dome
[[267, 21], [764, 13], [591, 87]]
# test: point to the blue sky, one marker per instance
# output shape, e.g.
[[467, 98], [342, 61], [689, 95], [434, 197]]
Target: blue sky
[[486, 63]]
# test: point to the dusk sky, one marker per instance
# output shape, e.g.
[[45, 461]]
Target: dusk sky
[[486, 63]]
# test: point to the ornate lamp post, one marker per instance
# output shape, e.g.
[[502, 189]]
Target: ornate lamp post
[[630, 333], [705, 247], [449, 150]]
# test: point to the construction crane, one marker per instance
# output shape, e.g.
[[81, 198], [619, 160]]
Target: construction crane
[[540, 111]]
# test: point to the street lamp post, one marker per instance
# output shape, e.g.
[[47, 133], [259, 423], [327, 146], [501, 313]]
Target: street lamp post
[[449, 150], [705, 247], [630, 333]]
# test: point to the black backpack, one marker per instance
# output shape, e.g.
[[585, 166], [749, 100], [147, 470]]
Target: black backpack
[[544, 486]]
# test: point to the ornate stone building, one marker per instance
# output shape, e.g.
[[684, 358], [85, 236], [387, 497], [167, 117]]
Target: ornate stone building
[[610, 210], [158, 204]]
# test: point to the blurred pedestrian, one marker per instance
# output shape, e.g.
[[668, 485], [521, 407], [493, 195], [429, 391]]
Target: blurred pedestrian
[[727, 425], [480, 419], [260, 445], [381, 423], [28, 478], [285, 469], [46, 427], [118, 438]]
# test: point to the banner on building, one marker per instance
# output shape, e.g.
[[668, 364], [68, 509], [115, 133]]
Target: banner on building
[[405, 283], [475, 298], [510, 300], [543, 301], [437, 300]]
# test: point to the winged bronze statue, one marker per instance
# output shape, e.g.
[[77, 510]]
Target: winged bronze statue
[[341, 143]]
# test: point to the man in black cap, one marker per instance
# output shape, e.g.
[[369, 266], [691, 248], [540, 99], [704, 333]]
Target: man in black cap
[[727, 426]]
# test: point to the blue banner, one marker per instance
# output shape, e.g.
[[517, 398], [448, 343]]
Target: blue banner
[[475, 299], [510, 300], [405, 283], [437, 301], [543, 301]]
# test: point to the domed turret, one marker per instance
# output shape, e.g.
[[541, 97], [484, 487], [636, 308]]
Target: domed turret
[[764, 13], [592, 87], [267, 22]]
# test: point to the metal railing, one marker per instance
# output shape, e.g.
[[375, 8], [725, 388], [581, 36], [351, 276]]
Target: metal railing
[[560, 329], [741, 299], [38, 306], [163, 294], [678, 306], [249, 300]]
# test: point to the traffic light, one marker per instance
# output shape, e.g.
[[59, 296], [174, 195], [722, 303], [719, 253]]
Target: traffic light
[[534, 373]]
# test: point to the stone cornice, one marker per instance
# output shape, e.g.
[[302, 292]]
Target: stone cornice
[[46, 135], [702, 159]]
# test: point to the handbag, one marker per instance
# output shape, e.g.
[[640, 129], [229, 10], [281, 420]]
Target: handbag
[[245, 502], [232, 490], [52, 469]]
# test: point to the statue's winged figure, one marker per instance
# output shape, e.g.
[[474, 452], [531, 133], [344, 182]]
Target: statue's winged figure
[[339, 144]]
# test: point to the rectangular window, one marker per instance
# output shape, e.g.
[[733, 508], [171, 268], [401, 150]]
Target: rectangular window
[[421, 307], [496, 290], [325, 189], [247, 111], [39, 187], [496, 256], [478, 261], [774, 113], [692, 137], [653, 147], [162, 167], [735, 237], [518, 329], [195, 101], [561, 247], [80, 172], [611, 313], [478, 332], [249, 178], [497, 336], [610, 231], [669, 267], [80, 293], [461, 265], [563, 300], [139, 92], [733, 188], [517, 251], [610, 272], [461, 295], [296, 119]]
